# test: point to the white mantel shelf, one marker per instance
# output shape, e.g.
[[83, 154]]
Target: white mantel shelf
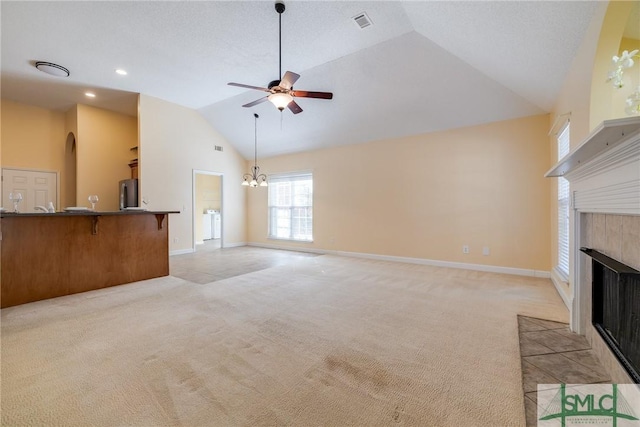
[[605, 137]]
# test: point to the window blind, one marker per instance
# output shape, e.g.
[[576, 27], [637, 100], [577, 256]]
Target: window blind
[[563, 206], [290, 206]]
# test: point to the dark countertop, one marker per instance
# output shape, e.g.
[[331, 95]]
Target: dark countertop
[[87, 213]]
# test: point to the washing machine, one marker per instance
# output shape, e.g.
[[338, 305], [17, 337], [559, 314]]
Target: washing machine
[[211, 224], [216, 225]]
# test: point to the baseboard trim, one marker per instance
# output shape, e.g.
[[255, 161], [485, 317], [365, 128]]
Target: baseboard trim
[[421, 261], [181, 251], [234, 245], [561, 287], [290, 248]]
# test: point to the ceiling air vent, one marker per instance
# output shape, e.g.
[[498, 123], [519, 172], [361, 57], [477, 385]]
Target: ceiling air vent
[[362, 20], [218, 148]]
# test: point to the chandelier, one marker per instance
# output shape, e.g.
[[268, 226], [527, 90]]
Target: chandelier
[[255, 178]]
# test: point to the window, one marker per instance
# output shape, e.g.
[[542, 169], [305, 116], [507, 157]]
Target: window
[[291, 207], [563, 206]]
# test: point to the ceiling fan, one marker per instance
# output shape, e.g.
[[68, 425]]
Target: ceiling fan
[[281, 92]]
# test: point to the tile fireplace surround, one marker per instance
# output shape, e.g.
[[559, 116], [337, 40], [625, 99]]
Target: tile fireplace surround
[[604, 173], [617, 236]]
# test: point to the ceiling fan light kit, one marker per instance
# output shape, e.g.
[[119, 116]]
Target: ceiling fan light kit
[[280, 100], [281, 92]]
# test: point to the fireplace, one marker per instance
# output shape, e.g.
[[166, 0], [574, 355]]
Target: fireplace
[[604, 176], [615, 313]]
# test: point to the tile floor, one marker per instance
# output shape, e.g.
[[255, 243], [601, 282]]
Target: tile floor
[[210, 263], [551, 354]]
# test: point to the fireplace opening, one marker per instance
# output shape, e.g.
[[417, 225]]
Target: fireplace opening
[[616, 309]]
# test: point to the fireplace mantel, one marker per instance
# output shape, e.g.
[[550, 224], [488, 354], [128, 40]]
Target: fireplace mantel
[[603, 139], [604, 171], [609, 181]]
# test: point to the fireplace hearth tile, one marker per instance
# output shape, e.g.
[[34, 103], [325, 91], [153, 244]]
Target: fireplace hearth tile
[[529, 347], [554, 367], [527, 324], [531, 412], [533, 395], [544, 324], [565, 369], [559, 340], [533, 375], [588, 359]]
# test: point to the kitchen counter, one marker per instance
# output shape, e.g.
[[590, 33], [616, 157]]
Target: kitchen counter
[[47, 255], [87, 212]]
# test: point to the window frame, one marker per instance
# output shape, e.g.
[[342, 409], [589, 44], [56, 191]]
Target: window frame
[[563, 199], [290, 177]]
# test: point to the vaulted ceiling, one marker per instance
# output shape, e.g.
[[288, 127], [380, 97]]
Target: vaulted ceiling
[[422, 66]]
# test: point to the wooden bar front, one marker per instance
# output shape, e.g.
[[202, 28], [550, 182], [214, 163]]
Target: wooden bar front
[[51, 255]]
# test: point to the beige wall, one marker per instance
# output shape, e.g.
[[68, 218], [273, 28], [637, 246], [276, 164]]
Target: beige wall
[[575, 94], [208, 196], [103, 145], [428, 195], [174, 141], [33, 138], [604, 97], [631, 80]]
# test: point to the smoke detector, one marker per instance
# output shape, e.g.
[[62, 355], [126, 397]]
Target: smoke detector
[[53, 69]]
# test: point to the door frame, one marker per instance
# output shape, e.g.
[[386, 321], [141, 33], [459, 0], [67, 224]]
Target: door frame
[[58, 207], [193, 205]]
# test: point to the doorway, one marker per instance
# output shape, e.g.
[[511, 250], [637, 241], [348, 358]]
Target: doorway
[[70, 160], [37, 187], [208, 217]]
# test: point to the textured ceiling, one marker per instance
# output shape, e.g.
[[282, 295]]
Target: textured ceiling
[[422, 66]]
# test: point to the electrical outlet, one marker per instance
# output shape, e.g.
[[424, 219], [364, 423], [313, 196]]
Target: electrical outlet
[[175, 240], [465, 249], [486, 251]]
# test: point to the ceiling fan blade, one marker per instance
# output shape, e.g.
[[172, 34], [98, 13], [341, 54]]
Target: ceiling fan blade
[[307, 94], [264, 89], [256, 102], [288, 80], [295, 108]]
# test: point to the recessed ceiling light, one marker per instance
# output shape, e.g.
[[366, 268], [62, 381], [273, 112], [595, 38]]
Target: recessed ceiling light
[[90, 94], [121, 72], [51, 68]]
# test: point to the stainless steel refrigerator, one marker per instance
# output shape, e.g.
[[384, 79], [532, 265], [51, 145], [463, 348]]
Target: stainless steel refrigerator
[[128, 193]]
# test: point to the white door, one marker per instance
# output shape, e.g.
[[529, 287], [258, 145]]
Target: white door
[[38, 188]]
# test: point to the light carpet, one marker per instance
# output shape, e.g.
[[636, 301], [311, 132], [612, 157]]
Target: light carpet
[[330, 341]]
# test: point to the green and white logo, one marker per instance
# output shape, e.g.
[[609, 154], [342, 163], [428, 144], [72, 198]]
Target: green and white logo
[[615, 405]]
